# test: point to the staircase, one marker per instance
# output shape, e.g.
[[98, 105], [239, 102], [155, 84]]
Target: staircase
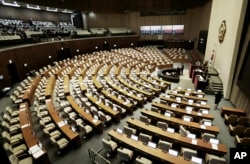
[[215, 84]]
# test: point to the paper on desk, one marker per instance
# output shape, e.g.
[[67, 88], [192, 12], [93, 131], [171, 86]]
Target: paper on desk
[[215, 146]]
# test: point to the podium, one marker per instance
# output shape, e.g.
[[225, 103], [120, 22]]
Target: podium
[[199, 82], [196, 72]]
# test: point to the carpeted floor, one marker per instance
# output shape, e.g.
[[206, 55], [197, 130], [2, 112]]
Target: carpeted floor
[[81, 155]]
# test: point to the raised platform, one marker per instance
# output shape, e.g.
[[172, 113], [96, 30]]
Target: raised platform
[[170, 74], [212, 72], [215, 83]]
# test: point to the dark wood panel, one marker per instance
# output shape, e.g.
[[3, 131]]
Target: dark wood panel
[[37, 55]]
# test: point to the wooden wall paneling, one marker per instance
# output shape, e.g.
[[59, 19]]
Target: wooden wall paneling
[[36, 55]]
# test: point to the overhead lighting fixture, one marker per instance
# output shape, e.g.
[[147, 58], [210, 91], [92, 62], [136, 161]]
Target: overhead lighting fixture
[[36, 7], [67, 11], [51, 9], [14, 4]]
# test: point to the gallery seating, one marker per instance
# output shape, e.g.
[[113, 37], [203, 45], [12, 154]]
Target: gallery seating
[[242, 142], [236, 130], [231, 119]]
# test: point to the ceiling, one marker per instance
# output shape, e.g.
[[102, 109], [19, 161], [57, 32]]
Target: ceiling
[[120, 5]]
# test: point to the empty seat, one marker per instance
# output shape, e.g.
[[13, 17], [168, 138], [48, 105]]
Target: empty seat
[[109, 145], [125, 154], [169, 113], [203, 111], [164, 145], [128, 131], [246, 132], [61, 143], [242, 142], [188, 153], [11, 112], [144, 138], [23, 160], [213, 159], [206, 122], [104, 118], [183, 131], [10, 120], [162, 125], [231, 119], [10, 128], [154, 109], [236, 130], [206, 136], [17, 150], [142, 160], [12, 139], [242, 120], [145, 119], [187, 118]]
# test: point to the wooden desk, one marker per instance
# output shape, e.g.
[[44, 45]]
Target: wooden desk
[[195, 98], [83, 72], [96, 70], [107, 69], [97, 124], [162, 81], [147, 94], [179, 111], [127, 71], [156, 90], [106, 109], [176, 122], [66, 86], [39, 153], [28, 94], [140, 100], [71, 72], [117, 70], [162, 86], [73, 137], [138, 146], [97, 83], [50, 87], [82, 85], [191, 92], [177, 138], [183, 104], [230, 110], [127, 106]]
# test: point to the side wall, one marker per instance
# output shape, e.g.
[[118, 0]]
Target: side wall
[[36, 56], [227, 51]]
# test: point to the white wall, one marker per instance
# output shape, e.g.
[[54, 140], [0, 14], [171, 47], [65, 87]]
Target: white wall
[[226, 52]]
